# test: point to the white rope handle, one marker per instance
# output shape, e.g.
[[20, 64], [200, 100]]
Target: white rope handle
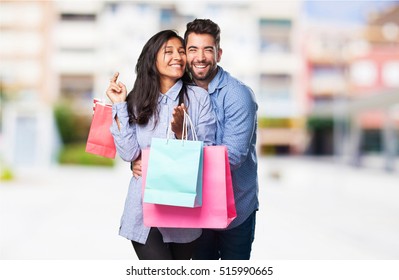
[[184, 132], [187, 118], [186, 122]]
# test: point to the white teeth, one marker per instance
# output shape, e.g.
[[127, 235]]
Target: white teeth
[[200, 66]]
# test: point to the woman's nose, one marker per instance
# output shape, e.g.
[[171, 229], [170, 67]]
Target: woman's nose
[[177, 56]]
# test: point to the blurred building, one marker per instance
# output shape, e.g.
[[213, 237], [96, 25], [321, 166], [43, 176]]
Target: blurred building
[[278, 67], [27, 83], [75, 49], [352, 86], [374, 86], [325, 75], [307, 76], [64, 51]]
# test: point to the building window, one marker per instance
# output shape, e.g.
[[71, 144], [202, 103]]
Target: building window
[[390, 74], [167, 16], [275, 86], [77, 17], [275, 35], [25, 152], [327, 80], [77, 88], [170, 18], [364, 73]]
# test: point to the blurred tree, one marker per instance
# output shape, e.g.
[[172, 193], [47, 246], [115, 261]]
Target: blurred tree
[[73, 128]]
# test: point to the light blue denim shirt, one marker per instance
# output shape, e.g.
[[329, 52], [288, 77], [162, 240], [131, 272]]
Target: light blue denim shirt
[[236, 112], [129, 141]]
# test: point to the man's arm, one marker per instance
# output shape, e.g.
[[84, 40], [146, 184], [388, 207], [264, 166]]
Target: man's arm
[[240, 110]]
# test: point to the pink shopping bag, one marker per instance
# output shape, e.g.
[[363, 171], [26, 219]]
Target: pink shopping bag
[[218, 206], [100, 141]]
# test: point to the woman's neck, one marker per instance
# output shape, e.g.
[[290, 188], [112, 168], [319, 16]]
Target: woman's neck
[[166, 84]]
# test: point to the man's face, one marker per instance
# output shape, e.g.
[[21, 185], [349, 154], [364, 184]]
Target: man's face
[[202, 57]]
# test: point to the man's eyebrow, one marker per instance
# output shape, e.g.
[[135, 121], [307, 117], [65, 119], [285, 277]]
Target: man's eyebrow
[[195, 47]]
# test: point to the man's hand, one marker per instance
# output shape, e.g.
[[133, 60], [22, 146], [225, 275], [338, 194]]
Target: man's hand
[[116, 91], [136, 168], [177, 120]]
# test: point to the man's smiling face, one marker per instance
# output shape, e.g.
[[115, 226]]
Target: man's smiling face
[[202, 57]]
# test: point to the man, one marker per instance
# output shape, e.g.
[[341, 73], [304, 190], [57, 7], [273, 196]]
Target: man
[[235, 109]]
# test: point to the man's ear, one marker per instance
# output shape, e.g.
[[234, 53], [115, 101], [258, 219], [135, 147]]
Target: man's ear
[[219, 57]]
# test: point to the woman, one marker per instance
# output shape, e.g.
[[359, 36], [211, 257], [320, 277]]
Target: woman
[[146, 112]]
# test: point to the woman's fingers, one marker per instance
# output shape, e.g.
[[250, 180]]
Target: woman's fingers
[[183, 107], [116, 91], [115, 77], [115, 88], [122, 87]]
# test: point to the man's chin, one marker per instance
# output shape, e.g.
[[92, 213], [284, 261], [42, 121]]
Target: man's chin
[[200, 77]]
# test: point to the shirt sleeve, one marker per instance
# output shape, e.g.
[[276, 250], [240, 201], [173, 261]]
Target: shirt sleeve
[[239, 124], [206, 126], [124, 137]]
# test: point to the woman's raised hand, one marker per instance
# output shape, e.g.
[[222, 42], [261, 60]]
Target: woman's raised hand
[[177, 120], [116, 91]]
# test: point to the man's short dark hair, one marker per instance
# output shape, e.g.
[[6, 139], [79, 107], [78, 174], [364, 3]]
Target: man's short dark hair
[[203, 26]]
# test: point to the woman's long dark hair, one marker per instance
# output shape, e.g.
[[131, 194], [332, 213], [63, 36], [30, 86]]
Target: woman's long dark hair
[[142, 100]]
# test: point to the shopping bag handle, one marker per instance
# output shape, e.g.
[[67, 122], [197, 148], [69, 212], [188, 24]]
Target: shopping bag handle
[[99, 102], [186, 121]]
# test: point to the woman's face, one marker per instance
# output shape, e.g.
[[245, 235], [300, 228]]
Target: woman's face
[[171, 61]]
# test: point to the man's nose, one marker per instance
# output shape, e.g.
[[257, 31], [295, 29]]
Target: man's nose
[[201, 55]]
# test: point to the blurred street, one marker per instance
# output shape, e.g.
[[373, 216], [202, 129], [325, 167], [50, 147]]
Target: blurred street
[[310, 209]]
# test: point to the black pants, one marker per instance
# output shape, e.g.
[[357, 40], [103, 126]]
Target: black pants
[[156, 249], [227, 244]]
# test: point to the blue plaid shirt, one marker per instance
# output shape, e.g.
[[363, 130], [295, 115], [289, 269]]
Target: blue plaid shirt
[[235, 108]]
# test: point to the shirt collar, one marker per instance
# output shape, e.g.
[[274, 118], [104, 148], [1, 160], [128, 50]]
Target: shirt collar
[[172, 93], [218, 81]]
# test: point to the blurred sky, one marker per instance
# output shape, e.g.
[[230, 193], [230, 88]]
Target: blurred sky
[[356, 12]]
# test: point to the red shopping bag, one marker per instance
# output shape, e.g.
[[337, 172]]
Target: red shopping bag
[[218, 206], [100, 141]]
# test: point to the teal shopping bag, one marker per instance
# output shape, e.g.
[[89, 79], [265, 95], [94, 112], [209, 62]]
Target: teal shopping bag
[[174, 175]]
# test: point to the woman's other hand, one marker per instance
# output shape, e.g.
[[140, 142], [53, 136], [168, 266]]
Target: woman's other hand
[[177, 120]]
